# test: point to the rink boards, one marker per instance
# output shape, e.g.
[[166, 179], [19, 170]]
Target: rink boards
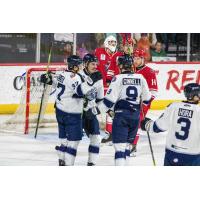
[[171, 76]]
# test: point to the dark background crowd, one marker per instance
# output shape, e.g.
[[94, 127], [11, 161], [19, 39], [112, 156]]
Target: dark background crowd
[[21, 47]]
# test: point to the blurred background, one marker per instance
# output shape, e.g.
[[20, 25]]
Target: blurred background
[[34, 47]]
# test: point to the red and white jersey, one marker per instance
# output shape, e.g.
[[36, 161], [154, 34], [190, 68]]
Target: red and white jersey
[[150, 75], [104, 65]]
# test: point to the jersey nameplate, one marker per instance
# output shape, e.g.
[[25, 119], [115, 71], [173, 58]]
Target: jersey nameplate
[[185, 113], [131, 81]]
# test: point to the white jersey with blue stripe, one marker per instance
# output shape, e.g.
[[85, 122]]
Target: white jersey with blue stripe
[[69, 92], [182, 121], [126, 91], [98, 86]]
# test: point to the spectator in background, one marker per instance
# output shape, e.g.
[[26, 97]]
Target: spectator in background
[[101, 43], [145, 44], [126, 37], [67, 50], [152, 38], [158, 51], [82, 51], [167, 38], [100, 37]]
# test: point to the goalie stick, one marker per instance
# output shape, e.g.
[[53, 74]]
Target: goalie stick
[[42, 98]]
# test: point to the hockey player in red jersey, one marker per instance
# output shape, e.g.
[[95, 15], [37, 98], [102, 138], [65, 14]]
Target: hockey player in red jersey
[[149, 74], [114, 70], [106, 56], [127, 50]]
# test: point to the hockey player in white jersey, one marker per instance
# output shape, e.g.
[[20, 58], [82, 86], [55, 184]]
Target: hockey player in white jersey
[[182, 121], [124, 96], [90, 122], [69, 106]]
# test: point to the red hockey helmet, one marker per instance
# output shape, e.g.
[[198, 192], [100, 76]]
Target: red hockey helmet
[[139, 53]]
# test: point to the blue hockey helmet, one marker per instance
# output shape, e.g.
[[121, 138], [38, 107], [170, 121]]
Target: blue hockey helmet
[[89, 58], [74, 61], [126, 61], [191, 90]]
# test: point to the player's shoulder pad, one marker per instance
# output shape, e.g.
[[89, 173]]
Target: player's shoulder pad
[[81, 77], [150, 70], [116, 78], [172, 105], [97, 50]]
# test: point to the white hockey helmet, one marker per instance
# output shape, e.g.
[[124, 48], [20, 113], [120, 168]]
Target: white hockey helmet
[[107, 43]]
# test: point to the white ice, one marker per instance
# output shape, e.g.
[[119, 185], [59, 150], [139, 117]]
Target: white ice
[[25, 150]]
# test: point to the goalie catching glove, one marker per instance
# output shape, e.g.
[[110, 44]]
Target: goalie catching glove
[[145, 124], [46, 78]]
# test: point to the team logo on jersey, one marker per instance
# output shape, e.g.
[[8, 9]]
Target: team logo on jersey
[[185, 113], [103, 57]]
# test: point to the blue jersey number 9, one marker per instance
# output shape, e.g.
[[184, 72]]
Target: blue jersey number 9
[[131, 93], [185, 127]]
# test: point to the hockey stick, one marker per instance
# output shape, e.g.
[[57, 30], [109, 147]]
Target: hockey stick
[[42, 98], [151, 148], [149, 139]]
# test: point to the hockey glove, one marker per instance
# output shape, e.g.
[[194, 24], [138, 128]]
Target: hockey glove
[[96, 76], [111, 113], [145, 124], [46, 79]]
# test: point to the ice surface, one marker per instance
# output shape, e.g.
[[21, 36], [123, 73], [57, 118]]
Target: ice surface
[[25, 150]]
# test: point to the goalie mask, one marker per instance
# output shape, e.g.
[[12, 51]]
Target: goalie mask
[[110, 43], [191, 90], [74, 63]]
